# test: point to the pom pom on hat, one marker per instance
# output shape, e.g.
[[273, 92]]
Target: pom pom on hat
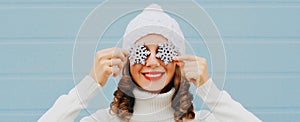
[[153, 20]]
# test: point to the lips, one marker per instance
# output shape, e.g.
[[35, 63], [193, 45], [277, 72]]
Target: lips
[[152, 76]]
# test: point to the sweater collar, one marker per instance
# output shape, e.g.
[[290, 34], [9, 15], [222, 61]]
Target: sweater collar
[[151, 106]]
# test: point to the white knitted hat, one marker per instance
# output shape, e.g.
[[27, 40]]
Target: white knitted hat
[[153, 20]]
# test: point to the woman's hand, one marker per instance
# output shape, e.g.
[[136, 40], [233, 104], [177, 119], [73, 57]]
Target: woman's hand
[[108, 61], [193, 68]]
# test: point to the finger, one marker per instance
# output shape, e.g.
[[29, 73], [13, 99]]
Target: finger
[[115, 62], [192, 76], [119, 56], [110, 63], [112, 53], [107, 70], [110, 56], [197, 71], [190, 71], [194, 64], [190, 67], [120, 53], [115, 70], [186, 57]]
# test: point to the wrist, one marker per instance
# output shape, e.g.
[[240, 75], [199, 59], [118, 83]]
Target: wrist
[[92, 75], [202, 82]]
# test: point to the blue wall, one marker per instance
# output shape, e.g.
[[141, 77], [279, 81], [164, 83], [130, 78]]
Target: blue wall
[[261, 39]]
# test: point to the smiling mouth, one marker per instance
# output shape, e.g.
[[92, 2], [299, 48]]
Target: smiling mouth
[[152, 76]]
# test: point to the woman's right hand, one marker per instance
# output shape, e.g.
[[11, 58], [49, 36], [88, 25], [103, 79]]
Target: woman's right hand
[[108, 61]]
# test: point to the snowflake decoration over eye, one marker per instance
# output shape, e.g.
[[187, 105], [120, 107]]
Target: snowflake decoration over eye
[[138, 54], [166, 51]]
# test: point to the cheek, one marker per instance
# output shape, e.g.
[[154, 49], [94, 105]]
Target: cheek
[[170, 70], [134, 70]]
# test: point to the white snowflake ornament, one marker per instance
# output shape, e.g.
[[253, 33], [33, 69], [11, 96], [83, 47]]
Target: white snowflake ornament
[[138, 54], [166, 51]]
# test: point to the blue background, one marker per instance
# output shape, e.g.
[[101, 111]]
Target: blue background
[[261, 40]]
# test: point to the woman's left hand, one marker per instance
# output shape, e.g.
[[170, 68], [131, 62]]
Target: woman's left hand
[[194, 68]]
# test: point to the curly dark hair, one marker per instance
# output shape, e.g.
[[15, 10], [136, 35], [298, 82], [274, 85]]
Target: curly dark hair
[[123, 102]]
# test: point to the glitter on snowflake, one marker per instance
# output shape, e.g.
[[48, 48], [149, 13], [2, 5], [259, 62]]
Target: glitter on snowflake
[[138, 54], [166, 51]]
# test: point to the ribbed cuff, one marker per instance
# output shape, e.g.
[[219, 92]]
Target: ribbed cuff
[[209, 92], [86, 89]]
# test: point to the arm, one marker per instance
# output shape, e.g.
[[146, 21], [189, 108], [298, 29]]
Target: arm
[[223, 107], [67, 107]]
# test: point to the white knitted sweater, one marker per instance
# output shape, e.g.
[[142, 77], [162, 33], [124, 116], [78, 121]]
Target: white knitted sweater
[[148, 107]]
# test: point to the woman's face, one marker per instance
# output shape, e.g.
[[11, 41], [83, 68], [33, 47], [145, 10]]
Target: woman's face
[[154, 75]]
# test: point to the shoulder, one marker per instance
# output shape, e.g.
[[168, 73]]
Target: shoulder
[[102, 115]]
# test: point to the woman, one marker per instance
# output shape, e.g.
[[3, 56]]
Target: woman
[[156, 76]]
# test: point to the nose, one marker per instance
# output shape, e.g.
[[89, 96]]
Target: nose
[[152, 61]]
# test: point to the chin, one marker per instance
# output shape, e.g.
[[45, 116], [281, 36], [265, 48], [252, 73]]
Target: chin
[[154, 86]]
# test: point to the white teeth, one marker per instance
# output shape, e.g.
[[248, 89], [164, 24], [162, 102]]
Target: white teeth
[[152, 75]]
